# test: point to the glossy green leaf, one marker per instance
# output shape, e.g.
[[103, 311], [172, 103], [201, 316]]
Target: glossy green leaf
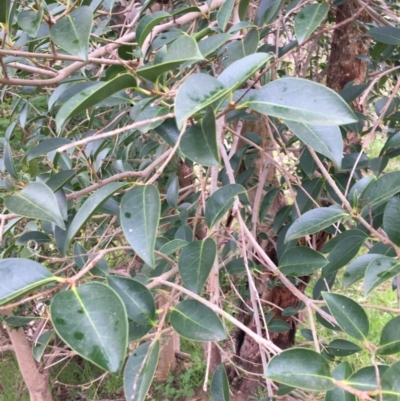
[[308, 20], [356, 269], [147, 23], [140, 214], [195, 263], [30, 21], [391, 219], [40, 344], [220, 202], [91, 320], [138, 300], [224, 14], [344, 248], [365, 378], [18, 276], [36, 201], [390, 383], [212, 43], [8, 160], [301, 261], [72, 32], [380, 270], [341, 372], [379, 191], [36, 237], [88, 208], [173, 192], [385, 34], [195, 321], [196, 93], [278, 326], [199, 142], [91, 96], [137, 331], [220, 384], [350, 316], [181, 50], [324, 140], [300, 368], [171, 247], [58, 180], [342, 348], [238, 72], [303, 101], [267, 11], [46, 146], [389, 342], [139, 371], [315, 220]]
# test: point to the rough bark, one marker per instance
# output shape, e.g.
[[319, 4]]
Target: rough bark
[[347, 45]]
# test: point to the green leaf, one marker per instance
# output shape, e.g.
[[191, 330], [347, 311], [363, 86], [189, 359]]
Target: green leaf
[[199, 142], [220, 384], [46, 146], [180, 51], [196, 93], [301, 368], [137, 331], [345, 247], [40, 344], [365, 378], [36, 236], [308, 19], [58, 180], [356, 269], [379, 191], [342, 348], [325, 140], [9, 160], [171, 247], [390, 383], [350, 316], [224, 14], [239, 71], [391, 219], [278, 326], [389, 342], [147, 23], [385, 34], [88, 208], [195, 263], [195, 321], [36, 201], [92, 95], [220, 202], [91, 320], [138, 300], [18, 276], [301, 261], [212, 43], [380, 270], [139, 371], [30, 21], [4, 11], [140, 214], [72, 32], [301, 100], [315, 220], [173, 192], [341, 372]]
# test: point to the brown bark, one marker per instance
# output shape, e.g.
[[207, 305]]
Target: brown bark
[[347, 44], [35, 378]]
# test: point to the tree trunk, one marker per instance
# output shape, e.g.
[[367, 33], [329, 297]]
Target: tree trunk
[[35, 378]]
